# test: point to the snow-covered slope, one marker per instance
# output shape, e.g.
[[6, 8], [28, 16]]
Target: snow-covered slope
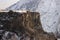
[[48, 9], [6, 3], [25, 5]]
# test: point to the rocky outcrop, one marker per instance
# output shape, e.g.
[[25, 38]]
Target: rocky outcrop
[[49, 10], [23, 26]]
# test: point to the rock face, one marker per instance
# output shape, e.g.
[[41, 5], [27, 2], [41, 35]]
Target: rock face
[[22, 26], [49, 10]]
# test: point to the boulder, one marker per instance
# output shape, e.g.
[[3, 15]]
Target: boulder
[[27, 23]]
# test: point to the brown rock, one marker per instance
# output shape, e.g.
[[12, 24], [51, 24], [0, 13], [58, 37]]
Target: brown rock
[[27, 23]]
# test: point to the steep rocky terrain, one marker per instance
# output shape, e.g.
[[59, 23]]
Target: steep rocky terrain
[[22, 26], [49, 10]]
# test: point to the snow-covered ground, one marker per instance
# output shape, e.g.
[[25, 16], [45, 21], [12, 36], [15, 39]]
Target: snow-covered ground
[[6, 3]]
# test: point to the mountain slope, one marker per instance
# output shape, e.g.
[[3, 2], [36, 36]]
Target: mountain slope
[[24, 5], [48, 10]]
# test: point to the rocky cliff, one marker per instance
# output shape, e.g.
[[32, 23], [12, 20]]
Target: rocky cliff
[[49, 10]]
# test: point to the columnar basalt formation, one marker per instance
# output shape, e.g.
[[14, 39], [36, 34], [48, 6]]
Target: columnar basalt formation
[[27, 23]]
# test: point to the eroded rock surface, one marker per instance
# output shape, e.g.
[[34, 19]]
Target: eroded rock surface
[[22, 26]]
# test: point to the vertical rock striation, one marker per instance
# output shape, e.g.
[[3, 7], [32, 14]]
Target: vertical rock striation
[[23, 26]]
